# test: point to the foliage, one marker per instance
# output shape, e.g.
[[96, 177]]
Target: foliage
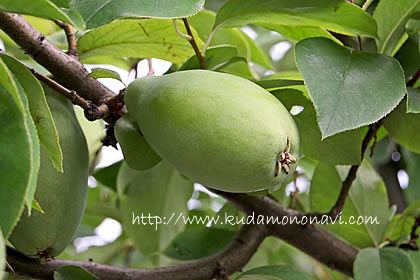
[[339, 68]]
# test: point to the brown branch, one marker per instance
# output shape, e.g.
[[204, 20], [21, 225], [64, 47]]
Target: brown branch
[[92, 112], [309, 238], [200, 57], [67, 69], [351, 176], [71, 39], [231, 259], [414, 79]]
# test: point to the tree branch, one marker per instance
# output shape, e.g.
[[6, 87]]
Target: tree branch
[[71, 39], [92, 112], [309, 238], [200, 57], [231, 259], [67, 69]]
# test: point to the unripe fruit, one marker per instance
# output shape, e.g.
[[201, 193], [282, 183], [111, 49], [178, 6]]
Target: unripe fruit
[[62, 196], [219, 130]]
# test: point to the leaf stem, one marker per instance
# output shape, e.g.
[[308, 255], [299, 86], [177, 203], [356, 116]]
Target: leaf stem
[[200, 56]]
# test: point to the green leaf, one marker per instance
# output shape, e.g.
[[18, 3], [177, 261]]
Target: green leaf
[[343, 148], [367, 198], [274, 272], [412, 192], [12, 87], [413, 100], [409, 56], [246, 47], [335, 15], [415, 258], [401, 222], [140, 38], [160, 192], [273, 83], [61, 3], [137, 152], [98, 73], [215, 56], [346, 84], [71, 272], [108, 175], [198, 242], [404, 127], [40, 8], [99, 12], [238, 66], [297, 33], [392, 17], [383, 263], [40, 111]]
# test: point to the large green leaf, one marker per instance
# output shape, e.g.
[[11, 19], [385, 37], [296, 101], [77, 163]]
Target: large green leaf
[[404, 128], [39, 109], [137, 152], [198, 242], [39, 8], [141, 38], [367, 198], [71, 272], [335, 15], [160, 192], [99, 12], [15, 160], [415, 258], [383, 263], [413, 100], [273, 272], [246, 47], [22, 181], [345, 85], [343, 148], [392, 17], [297, 33]]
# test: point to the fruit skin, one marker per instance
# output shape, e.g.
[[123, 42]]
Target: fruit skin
[[62, 196], [219, 130]]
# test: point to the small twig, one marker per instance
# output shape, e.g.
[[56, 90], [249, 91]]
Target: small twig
[[92, 112], [200, 56], [71, 38], [351, 176], [151, 71], [414, 79]]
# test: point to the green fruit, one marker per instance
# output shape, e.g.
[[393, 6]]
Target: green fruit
[[137, 152], [219, 130], [62, 196]]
